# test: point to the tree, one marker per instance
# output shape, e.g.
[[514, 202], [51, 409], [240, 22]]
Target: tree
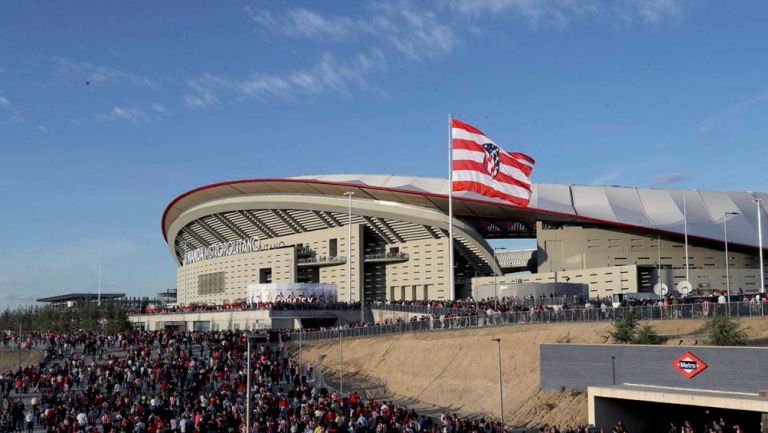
[[724, 331], [647, 335], [624, 328], [625, 331]]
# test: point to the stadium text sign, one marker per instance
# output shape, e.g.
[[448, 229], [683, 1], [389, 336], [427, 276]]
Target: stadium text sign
[[222, 249], [689, 365]]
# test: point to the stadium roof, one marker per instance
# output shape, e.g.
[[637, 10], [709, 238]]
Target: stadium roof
[[645, 209], [81, 297]]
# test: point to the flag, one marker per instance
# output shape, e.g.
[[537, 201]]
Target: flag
[[480, 166]]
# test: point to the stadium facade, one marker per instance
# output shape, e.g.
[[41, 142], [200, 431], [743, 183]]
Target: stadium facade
[[229, 235]]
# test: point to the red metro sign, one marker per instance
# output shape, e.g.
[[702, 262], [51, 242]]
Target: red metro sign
[[689, 365]]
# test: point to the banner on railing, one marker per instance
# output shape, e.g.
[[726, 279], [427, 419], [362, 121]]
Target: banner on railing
[[287, 292]]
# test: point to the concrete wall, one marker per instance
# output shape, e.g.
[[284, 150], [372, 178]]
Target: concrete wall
[[425, 272], [486, 290], [624, 279], [250, 319], [600, 281], [574, 366], [575, 247]]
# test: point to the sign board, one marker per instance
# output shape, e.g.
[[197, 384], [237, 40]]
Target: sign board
[[689, 365], [287, 292], [660, 289], [223, 249]]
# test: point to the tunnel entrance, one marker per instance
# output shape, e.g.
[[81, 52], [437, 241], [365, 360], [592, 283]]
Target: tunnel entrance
[[655, 409]]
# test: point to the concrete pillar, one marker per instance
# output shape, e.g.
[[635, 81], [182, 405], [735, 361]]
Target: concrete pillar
[[764, 423]]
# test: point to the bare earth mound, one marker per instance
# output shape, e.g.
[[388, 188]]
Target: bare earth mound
[[457, 371], [10, 360]]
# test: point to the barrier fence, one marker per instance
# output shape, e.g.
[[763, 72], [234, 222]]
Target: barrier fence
[[644, 312], [524, 302]]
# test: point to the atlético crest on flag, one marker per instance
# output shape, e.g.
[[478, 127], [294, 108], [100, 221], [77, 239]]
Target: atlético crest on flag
[[480, 166]]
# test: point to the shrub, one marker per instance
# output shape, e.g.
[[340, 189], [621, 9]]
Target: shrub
[[624, 328], [647, 335], [625, 331], [724, 331]]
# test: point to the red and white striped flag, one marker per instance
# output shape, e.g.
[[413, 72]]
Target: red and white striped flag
[[480, 166]]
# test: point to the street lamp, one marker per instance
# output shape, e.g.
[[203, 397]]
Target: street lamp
[[184, 263], [248, 383], [760, 243], [341, 366], [349, 195], [495, 289], [727, 269], [501, 389]]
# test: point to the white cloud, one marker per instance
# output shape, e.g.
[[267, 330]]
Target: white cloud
[[328, 75], [300, 22], [12, 114], [610, 176], [401, 27], [654, 11], [413, 32], [730, 112], [560, 12], [402, 30], [5, 104], [670, 178], [203, 90], [91, 73], [135, 115]]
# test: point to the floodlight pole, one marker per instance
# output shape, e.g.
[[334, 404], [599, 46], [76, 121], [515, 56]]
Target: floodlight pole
[[760, 244], [248, 384], [98, 302], [658, 263], [685, 227], [727, 267], [184, 263], [349, 195], [495, 282], [501, 389], [341, 366]]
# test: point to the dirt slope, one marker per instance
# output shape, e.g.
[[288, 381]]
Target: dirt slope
[[458, 370]]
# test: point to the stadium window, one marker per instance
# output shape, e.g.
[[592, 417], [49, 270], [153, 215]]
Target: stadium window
[[265, 275]]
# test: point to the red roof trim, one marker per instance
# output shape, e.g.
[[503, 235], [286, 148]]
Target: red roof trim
[[429, 194]]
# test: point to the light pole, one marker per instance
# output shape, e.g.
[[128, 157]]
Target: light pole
[[495, 283], [727, 269], [760, 243], [658, 264], [349, 195], [99, 295], [501, 389], [341, 366], [685, 227], [184, 263], [248, 383]]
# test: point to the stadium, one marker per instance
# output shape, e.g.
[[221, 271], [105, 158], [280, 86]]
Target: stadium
[[381, 237]]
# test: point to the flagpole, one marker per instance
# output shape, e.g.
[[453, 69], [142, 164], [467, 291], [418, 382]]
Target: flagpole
[[451, 285]]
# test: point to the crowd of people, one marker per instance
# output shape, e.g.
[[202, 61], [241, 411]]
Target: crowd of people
[[161, 382], [196, 382]]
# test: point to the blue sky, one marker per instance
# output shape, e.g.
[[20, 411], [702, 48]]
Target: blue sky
[[109, 109]]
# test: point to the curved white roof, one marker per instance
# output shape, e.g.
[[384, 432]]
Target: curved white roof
[[651, 208], [659, 210]]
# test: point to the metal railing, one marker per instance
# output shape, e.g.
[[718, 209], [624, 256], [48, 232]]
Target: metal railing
[[322, 260], [386, 257], [645, 312], [525, 302]]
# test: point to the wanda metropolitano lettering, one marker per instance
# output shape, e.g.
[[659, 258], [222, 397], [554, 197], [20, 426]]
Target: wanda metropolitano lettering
[[223, 249]]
